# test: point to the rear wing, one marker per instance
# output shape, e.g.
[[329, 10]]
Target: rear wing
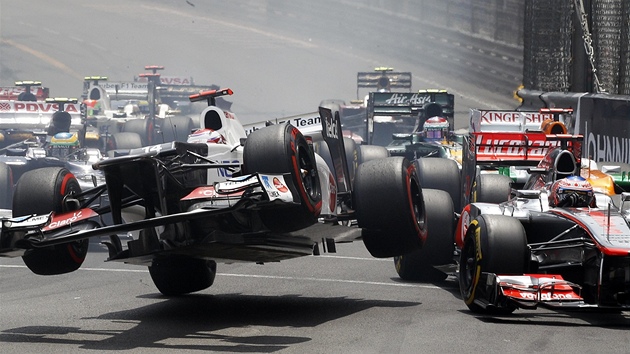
[[403, 103], [405, 108], [519, 148], [383, 79], [34, 116], [171, 88], [11, 93], [506, 121], [491, 150]]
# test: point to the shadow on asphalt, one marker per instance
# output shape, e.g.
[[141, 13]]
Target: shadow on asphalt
[[200, 318]]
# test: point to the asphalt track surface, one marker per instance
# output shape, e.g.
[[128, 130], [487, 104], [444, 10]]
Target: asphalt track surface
[[280, 58]]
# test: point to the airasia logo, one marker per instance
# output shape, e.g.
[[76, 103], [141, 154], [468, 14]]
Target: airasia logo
[[43, 107]]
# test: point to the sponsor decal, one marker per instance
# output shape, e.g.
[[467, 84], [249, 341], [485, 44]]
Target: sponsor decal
[[406, 99], [210, 192], [110, 86], [67, 219], [602, 147], [515, 145], [331, 130], [531, 118], [176, 80], [38, 107], [279, 186], [276, 188]]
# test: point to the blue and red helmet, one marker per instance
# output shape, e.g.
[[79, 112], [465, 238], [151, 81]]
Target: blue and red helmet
[[572, 191]]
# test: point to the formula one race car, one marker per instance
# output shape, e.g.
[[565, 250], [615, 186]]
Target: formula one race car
[[265, 198], [24, 91], [561, 240], [557, 243], [62, 144]]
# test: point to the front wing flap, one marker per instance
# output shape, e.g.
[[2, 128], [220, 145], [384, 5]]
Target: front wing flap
[[528, 291]]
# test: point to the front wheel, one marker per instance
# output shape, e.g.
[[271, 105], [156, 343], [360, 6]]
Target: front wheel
[[493, 244], [439, 246], [6, 186], [41, 191], [182, 275], [282, 149]]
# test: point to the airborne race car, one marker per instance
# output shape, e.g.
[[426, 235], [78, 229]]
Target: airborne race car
[[277, 201]]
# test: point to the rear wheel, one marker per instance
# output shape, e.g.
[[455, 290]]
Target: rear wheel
[[282, 149], [371, 152], [438, 248], [493, 244], [175, 129], [6, 186], [39, 192], [389, 207], [124, 141], [182, 275], [494, 188], [143, 127], [442, 174]]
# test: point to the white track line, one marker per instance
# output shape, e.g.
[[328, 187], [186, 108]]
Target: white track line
[[404, 285]]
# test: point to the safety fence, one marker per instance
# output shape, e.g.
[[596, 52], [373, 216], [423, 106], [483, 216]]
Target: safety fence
[[550, 33]]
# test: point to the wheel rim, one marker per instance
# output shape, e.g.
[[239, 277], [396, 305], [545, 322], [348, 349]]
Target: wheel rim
[[308, 173], [467, 269], [417, 205]]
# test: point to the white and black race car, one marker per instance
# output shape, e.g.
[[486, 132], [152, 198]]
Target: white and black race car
[[264, 198]]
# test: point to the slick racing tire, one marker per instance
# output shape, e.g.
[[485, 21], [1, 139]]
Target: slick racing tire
[[182, 275], [493, 188], [124, 141], [439, 246], [352, 157], [493, 244], [175, 129], [6, 186], [143, 127], [389, 207], [443, 174], [282, 149], [371, 152], [39, 192]]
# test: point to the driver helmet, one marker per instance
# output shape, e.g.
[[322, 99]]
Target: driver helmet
[[206, 136], [572, 191], [62, 145], [435, 128]]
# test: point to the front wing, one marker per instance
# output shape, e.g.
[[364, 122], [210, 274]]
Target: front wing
[[22, 233], [528, 292]]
